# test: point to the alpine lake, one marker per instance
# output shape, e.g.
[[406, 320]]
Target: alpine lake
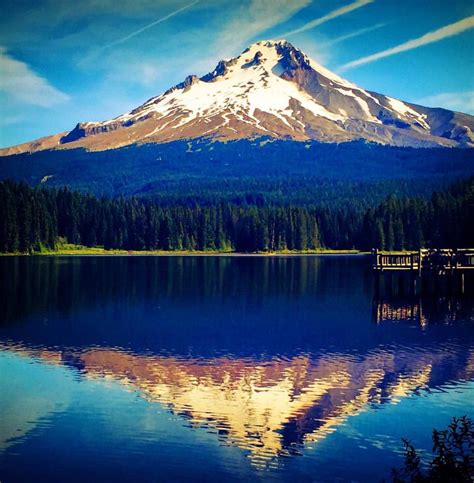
[[221, 368]]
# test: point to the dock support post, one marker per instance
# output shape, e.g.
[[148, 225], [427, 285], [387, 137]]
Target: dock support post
[[381, 283], [394, 284], [377, 283], [416, 284]]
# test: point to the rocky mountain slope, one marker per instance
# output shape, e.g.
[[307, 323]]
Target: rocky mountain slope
[[272, 89]]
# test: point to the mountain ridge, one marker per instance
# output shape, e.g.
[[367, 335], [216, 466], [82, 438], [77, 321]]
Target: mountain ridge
[[271, 89]]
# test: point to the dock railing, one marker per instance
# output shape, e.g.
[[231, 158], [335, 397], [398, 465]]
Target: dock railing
[[442, 259]]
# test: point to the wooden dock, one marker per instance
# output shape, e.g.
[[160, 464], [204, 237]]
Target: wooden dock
[[432, 270]]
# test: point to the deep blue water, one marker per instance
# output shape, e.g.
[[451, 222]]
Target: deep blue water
[[220, 369]]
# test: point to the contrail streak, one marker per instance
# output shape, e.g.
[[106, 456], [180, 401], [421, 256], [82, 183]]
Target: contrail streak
[[435, 36], [147, 27], [351, 35]]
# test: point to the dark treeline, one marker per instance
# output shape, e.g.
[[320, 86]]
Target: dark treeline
[[32, 219]]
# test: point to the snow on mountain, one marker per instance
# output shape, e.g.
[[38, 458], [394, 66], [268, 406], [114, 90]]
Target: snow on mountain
[[271, 89]]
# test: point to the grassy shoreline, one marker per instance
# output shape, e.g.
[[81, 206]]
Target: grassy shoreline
[[77, 250]]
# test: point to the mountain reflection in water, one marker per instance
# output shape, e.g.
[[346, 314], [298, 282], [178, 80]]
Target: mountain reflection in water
[[271, 355], [270, 407]]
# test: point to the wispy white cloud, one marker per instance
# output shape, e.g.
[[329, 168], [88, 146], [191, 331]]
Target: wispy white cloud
[[455, 101], [239, 25], [133, 72], [255, 17], [19, 81], [10, 120], [434, 36], [352, 35], [330, 16]]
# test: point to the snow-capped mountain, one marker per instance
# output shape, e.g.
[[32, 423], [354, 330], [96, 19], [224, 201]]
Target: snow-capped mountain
[[272, 89]]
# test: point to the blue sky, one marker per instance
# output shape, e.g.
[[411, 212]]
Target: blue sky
[[62, 61]]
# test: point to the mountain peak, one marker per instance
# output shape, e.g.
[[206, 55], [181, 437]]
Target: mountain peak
[[268, 44], [271, 89]]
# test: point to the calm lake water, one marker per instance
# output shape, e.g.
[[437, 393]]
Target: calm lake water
[[220, 369]]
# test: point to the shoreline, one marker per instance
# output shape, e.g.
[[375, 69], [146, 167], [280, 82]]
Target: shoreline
[[177, 253]]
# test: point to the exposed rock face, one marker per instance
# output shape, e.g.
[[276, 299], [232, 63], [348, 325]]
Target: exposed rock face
[[292, 59], [188, 82], [271, 89], [84, 129], [221, 69]]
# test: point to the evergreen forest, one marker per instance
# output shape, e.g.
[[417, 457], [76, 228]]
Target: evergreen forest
[[36, 219]]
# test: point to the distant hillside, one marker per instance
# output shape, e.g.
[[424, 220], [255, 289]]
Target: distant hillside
[[282, 171]]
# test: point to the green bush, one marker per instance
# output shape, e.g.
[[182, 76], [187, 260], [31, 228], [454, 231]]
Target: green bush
[[452, 460]]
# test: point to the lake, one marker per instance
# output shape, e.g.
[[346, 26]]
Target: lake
[[221, 368]]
